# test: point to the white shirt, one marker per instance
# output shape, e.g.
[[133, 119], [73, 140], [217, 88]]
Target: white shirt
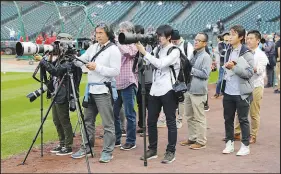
[[161, 80], [190, 49], [261, 61], [108, 66]]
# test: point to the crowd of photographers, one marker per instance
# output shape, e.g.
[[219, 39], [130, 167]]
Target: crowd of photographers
[[242, 58]]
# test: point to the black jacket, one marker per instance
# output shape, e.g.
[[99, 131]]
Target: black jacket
[[58, 70]]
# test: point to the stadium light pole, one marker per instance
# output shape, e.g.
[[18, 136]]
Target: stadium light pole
[[20, 22]]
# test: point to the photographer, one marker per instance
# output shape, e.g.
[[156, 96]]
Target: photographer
[[162, 93], [127, 83], [60, 109], [196, 95], [104, 61]]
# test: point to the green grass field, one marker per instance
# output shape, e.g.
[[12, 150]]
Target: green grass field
[[21, 119]]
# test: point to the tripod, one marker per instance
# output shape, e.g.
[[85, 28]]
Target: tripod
[[141, 71], [79, 115]]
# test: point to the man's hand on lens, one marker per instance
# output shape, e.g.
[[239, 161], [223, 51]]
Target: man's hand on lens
[[141, 48], [37, 57], [91, 65]]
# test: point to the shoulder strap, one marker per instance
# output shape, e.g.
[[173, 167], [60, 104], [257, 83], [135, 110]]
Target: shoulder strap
[[172, 66], [103, 48], [185, 45], [157, 52]]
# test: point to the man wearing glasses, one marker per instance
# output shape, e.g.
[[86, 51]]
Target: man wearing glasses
[[196, 95]]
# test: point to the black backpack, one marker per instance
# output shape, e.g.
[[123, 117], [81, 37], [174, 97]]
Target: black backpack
[[185, 66]]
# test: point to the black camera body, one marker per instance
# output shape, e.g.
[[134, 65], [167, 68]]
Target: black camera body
[[129, 38]]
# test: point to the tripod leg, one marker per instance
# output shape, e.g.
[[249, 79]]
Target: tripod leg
[[143, 92], [80, 116], [75, 128], [43, 120]]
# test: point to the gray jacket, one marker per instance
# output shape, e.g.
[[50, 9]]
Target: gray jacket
[[244, 71], [201, 68]]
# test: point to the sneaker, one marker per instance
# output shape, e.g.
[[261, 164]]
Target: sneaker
[[168, 158], [56, 149], [276, 91], [187, 143], [244, 150], [124, 133], [64, 151], [142, 134], [161, 123], [215, 96], [128, 146], [105, 158], [229, 147], [150, 154], [197, 146], [179, 124], [117, 144], [206, 108], [140, 130], [80, 154]]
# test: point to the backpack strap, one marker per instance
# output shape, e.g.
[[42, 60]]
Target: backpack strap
[[185, 45], [157, 52], [172, 66], [103, 48]]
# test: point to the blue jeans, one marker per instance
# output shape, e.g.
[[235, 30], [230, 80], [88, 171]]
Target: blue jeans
[[218, 88], [126, 96]]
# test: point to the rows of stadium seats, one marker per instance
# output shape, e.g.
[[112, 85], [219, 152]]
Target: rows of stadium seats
[[149, 13], [267, 10], [36, 19], [10, 10], [108, 14], [153, 14], [209, 12]]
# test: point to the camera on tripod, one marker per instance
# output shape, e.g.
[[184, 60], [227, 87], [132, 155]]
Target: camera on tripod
[[65, 51], [129, 38]]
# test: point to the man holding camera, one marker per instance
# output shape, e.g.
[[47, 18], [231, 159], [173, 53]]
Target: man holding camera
[[196, 95], [127, 83], [60, 109], [162, 93], [104, 61]]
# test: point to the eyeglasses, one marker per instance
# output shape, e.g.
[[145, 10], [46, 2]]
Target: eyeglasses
[[101, 25], [197, 40]]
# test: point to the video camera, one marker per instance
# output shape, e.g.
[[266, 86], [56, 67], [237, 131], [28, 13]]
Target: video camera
[[129, 38]]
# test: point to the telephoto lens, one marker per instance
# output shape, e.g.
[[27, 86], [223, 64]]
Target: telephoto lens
[[33, 95]]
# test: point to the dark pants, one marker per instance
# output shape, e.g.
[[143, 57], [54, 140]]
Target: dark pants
[[231, 103], [169, 103], [270, 76], [139, 101], [63, 125]]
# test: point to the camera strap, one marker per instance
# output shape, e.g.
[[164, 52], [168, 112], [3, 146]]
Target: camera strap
[[101, 50]]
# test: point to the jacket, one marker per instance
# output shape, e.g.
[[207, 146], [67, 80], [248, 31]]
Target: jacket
[[201, 68], [244, 71]]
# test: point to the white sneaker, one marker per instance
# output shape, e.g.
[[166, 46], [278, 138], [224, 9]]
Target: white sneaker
[[161, 123], [179, 124], [229, 147], [244, 150]]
